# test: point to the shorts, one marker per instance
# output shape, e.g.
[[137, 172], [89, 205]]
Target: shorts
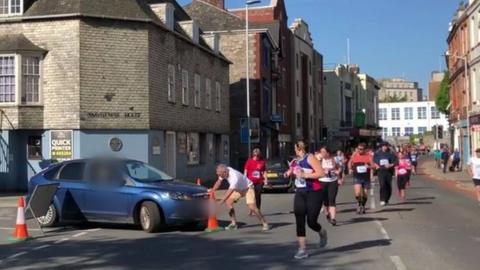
[[402, 181], [476, 182], [414, 164], [364, 182], [248, 194]]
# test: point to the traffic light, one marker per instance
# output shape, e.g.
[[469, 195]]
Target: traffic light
[[440, 132], [435, 132]]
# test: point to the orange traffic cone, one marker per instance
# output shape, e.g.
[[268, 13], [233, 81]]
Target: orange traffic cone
[[20, 233], [212, 215], [199, 182]]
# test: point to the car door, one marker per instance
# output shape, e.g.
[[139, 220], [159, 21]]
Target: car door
[[71, 193], [109, 193]]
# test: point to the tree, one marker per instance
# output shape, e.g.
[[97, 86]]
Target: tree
[[443, 97], [394, 98]]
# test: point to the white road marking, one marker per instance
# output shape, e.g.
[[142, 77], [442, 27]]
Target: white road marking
[[372, 196], [382, 230], [79, 234], [61, 240], [93, 230], [7, 228], [17, 255], [397, 261], [41, 247]]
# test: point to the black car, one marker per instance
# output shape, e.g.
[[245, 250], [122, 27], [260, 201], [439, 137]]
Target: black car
[[276, 181]]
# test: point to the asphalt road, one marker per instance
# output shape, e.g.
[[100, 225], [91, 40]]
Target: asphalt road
[[435, 229]]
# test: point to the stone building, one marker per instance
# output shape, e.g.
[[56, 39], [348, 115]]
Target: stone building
[[399, 88], [135, 79], [263, 50]]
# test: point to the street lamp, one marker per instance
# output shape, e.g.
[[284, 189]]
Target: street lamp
[[247, 4], [466, 81]]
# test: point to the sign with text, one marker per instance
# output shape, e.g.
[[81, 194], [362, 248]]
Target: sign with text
[[61, 144]]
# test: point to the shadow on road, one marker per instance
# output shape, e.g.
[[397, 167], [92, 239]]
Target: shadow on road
[[386, 210], [422, 198], [362, 220], [414, 203], [361, 245]]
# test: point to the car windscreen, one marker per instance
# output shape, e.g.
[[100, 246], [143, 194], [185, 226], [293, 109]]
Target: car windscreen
[[142, 172]]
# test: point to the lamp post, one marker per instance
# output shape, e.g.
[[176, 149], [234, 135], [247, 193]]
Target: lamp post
[[247, 4]]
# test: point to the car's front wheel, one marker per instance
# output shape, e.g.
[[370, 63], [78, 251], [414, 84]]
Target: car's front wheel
[[150, 217], [50, 218]]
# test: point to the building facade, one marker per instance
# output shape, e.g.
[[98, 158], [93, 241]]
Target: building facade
[[135, 80], [434, 84], [263, 53], [399, 88], [400, 120]]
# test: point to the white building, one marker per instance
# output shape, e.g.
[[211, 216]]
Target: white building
[[402, 119]]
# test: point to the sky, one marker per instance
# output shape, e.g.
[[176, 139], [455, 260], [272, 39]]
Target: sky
[[388, 38]]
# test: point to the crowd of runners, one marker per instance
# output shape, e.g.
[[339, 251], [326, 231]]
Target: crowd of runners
[[317, 177]]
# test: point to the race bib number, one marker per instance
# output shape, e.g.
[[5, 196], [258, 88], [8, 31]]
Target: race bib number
[[384, 162], [300, 183], [414, 158], [361, 169], [256, 174], [402, 171]]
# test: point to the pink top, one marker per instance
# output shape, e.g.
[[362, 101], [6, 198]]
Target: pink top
[[403, 166]]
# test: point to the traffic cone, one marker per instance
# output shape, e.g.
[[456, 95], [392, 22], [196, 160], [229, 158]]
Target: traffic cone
[[212, 215], [199, 182], [20, 233]]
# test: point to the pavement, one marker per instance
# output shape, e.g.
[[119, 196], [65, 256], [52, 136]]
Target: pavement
[[434, 229]]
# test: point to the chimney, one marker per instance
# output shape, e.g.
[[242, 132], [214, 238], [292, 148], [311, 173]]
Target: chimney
[[165, 12], [212, 41], [218, 3], [191, 28]]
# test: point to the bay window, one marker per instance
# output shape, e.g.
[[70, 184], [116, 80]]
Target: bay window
[[20, 81]]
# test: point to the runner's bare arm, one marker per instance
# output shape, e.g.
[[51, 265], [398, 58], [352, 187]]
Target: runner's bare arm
[[227, 195], [216, 186], [317, 169]]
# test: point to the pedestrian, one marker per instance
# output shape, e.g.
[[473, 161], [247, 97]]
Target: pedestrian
[[402, 172], [330, 183], [255, 171], [445, 157], [413, 157], [239, 187], [385, 162], [474, 171], [360, 166], [456, 159], [437, 155], [308, 198], [341, 162]]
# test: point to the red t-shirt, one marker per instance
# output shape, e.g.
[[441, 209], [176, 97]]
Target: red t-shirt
[[255, 170]]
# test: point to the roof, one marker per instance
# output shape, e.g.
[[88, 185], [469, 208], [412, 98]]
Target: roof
[[18, 43], [273, 27], [211, 18]]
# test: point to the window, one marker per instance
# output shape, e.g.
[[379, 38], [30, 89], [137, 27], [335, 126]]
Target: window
[[196, 97], [34, 147], [435, 113], [7, 79], [395, 113], [422, 130], [408, 113], [208, 94], [184, 87], [382, 114], [297, 59], [395, 131], [408, 131], [384, 132], [10, 7], [31, 80], [310, 67], [193, 148], [422, 112], [72, 171], [171, 83], [218, 97]]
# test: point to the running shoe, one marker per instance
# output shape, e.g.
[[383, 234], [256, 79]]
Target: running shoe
[[328, 217], [231, 227], [333, 222], [363, 210], [323, 238], [382, 203], [301, 254], [266, 227], [359, 210]]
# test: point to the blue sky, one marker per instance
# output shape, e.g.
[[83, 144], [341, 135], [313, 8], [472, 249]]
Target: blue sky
[[388, 38]]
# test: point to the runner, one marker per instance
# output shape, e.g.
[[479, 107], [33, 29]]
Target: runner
[[255, 172], [239, 187], [341, 162], [360, 166], [308, 196], [402, 172], [474, 171], [413, 157], [385, 161], [329, 183]]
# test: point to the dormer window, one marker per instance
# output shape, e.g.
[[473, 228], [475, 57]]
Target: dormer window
[[11, 7]]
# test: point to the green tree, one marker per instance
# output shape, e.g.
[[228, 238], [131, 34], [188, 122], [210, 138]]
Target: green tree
[[394, 98], [443, 97]]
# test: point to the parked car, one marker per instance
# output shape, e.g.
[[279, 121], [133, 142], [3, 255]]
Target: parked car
[[120, 191], [276, 181]]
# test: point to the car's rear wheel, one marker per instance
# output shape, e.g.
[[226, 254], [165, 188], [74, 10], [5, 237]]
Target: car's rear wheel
[[50, 218], [150, 217]]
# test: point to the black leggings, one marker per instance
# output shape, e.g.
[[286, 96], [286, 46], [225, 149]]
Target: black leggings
[[258, 194], [307, 205], [330, 190]]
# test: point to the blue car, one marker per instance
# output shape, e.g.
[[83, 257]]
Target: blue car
[[120, 191]]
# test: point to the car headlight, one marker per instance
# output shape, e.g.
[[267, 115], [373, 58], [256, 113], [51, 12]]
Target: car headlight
[[179, 196]]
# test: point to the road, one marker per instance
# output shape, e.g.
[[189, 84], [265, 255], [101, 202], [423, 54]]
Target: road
[[435, 229]]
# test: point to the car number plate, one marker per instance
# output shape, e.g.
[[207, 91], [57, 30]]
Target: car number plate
[[272, 175]]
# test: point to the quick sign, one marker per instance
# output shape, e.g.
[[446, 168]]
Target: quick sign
[[61, 144]]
